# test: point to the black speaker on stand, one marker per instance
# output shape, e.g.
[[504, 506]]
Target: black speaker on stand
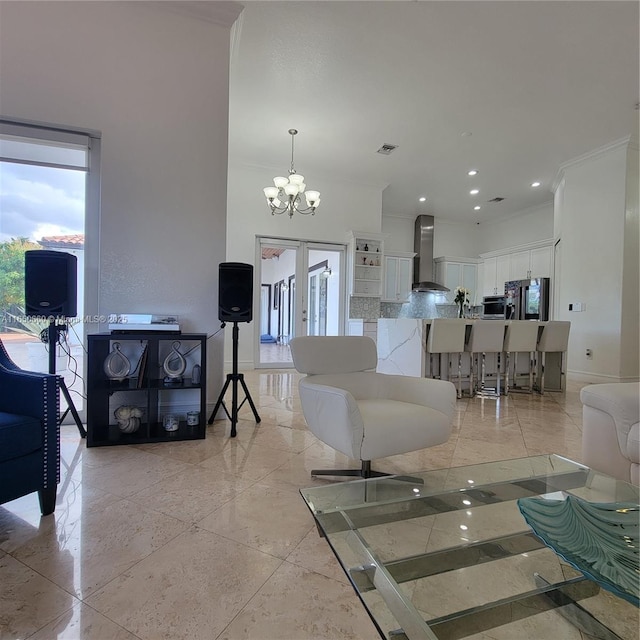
[[50, 290], [235, 304]]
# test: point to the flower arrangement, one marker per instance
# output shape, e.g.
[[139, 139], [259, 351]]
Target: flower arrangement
[[461, 299]]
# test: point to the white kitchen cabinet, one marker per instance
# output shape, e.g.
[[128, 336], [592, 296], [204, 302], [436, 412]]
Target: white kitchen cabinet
[[363, 328], [519, 266], [398, 271], [496, 271], [542, 262], [458, 272], [532, 263], [534, 260], [366, 265], [370, 329]]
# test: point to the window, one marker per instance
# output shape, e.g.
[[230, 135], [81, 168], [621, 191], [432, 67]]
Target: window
[[49, 199]]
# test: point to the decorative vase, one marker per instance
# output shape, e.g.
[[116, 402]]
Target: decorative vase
[[460, 310], [116, 365], [174, 364]]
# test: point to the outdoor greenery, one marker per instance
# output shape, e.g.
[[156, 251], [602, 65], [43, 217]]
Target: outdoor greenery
[[12, 276]]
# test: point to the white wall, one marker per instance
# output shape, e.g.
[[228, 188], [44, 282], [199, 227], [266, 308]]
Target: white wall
[[344, 207], [630, 343], [522, 227], [455, 239], [399, 233], [593, 229], [155, 83], [468, 239]]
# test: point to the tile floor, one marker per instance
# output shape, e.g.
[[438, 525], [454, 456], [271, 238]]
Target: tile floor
[[209, 539]]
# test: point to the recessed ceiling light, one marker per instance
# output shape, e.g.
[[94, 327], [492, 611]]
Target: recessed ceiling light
[[472, 172], [535, 184], [477, 207], [422, 198], [474, 192], [466, 134]]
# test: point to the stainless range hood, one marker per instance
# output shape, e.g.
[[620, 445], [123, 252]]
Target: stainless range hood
[[423, 261]]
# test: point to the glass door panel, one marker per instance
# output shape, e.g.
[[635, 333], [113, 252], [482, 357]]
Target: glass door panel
[[307, 282]]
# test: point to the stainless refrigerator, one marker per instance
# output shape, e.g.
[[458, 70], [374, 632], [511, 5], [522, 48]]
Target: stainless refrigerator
[[527, 299]]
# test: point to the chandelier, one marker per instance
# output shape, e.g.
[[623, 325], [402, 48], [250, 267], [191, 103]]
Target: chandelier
[[285, 196]]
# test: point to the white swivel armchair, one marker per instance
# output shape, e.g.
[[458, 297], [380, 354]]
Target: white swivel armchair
[[364, 414]]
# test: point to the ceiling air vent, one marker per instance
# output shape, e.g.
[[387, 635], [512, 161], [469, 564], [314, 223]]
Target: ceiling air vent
[[386, 149], [498, 199]]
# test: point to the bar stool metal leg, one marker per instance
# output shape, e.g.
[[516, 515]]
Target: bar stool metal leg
[[472, 391], [507, 358]]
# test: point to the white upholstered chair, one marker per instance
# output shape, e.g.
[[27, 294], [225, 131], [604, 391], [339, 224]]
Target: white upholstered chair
[[487, 336], [520, 336], [553, 339], [611, 429], [446, 336], [363, 414]]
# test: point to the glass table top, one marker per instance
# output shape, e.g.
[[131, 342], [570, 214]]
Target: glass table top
[[448, 553]]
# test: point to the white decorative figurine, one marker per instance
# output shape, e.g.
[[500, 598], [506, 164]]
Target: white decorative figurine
[[128, 418]]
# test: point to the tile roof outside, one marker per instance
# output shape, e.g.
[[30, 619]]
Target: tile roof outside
[[75, 241]]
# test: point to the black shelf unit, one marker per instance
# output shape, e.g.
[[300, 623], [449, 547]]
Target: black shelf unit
[[144, 389]]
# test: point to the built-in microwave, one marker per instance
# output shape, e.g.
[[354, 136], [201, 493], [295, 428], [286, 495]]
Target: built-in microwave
[[493, 307]]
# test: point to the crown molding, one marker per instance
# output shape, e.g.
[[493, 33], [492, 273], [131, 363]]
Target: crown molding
[[537, 244], [217, 12], [591, 155]]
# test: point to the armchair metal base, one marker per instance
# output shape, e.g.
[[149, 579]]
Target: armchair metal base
[[364, 472]]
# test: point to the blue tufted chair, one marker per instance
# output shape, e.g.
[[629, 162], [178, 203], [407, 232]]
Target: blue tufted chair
[[29, 434]]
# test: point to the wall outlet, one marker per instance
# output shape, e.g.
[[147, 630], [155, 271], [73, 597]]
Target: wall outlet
[[589, 354]]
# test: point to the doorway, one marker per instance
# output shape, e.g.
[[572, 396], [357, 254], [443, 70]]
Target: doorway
[[305, 282]]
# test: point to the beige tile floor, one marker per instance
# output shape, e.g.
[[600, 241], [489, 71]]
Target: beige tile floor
[[210, 539]]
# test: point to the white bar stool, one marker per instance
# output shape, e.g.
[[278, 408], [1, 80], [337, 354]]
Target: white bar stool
[[553, 339], [446, 335], [520, 336], [487, 336]]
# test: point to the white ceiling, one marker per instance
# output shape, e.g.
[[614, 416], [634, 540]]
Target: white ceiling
[[536, 83]]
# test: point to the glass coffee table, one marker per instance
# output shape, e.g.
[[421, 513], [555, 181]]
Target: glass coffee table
[[452, 553]]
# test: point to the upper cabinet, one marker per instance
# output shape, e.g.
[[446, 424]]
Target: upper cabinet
[[496, 273], [531, 263], [534, 261], [541, 264], [366, 264], [458, 272], [398, 272]]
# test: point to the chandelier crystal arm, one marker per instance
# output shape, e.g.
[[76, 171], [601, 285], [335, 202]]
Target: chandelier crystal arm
[[284, 197]]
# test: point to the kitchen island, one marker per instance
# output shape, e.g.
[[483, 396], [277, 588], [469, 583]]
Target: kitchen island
[[402, 351], [401, 346]]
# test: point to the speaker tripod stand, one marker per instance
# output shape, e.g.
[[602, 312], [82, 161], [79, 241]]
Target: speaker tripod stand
[[234, 378], [52, 338]]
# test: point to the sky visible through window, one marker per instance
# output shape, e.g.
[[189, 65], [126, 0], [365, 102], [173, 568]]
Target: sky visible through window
[[38, 201]]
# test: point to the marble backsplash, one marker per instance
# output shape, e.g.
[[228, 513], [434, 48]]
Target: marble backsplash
[[420, 305], [423, 305], [365, 308]]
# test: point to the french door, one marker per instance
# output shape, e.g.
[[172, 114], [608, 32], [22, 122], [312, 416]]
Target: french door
[[302, 293]]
